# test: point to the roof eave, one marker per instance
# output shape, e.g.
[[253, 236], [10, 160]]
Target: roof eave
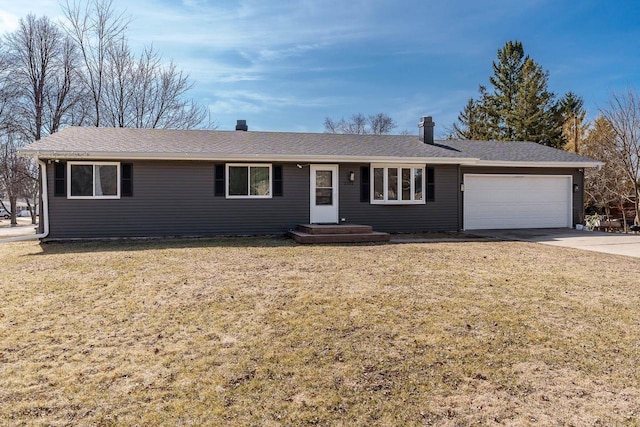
[[87, 155], [536, 164], [464, 161]]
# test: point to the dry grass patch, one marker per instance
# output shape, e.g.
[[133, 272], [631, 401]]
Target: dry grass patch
[[265, 332]]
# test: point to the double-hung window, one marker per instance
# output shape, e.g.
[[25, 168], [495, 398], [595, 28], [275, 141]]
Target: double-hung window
[[93, 180], [246, 180], [397, 184]]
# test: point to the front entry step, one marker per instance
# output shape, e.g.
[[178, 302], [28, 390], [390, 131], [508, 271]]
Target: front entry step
[[333, 233], [335, 229]]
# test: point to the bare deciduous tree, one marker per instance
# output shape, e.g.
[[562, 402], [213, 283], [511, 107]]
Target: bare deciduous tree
[[8, 92], [14, 173], [43, 64], [623, 113], [376, 124], [32, 49], [609, 185], [95, 28], [9, 187], [117, 100], [125, 91], [146, 94], [381, 124], [65, 99]]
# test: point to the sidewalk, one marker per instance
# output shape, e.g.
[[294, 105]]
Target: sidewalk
[[23, 228]]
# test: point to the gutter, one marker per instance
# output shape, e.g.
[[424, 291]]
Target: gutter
[[44, 210], [463, 161], [306, 158], [539, 164]]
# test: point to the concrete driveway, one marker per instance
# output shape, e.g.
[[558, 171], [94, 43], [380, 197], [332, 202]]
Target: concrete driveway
[[610, 243]]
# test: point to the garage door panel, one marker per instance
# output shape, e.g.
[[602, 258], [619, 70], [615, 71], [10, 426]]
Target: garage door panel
[[516, 201]]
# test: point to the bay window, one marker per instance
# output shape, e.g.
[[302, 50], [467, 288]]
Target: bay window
[[397, 184]]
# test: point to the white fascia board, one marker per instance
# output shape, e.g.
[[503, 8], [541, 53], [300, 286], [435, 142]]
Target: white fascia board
[[547, 164], [463, 161], [76, 155]]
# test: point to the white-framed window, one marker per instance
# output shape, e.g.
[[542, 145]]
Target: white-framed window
[[397, 184], [93, 180], [249, 180]]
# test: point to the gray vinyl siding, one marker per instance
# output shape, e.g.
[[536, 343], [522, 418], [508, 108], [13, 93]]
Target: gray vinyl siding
[[176, 198], [439, 215], [577, 174]]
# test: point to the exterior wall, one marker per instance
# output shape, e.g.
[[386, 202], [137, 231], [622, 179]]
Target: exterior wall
[[439, 215], [176, 198], [577, 174]]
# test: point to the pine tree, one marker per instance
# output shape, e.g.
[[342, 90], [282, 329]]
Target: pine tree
[[506, 80], [473, 120], [520, 107]]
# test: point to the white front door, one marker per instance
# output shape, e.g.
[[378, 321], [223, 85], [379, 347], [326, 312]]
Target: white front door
[[324, 194]]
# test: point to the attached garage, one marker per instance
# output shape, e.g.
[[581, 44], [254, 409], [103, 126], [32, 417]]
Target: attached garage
[[500, 201]]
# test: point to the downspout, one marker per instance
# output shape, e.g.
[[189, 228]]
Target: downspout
[[44, 209]]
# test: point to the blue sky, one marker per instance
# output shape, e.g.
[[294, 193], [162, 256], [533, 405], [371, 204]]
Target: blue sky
[[286, 65]]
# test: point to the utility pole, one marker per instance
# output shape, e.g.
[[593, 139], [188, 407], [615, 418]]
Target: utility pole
[[576, 134]]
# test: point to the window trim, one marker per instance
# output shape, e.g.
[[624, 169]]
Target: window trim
[[248, 166], [399, 167], [93, 183]]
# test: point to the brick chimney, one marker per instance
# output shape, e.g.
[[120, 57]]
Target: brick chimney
[[426, 126], [242, 125]]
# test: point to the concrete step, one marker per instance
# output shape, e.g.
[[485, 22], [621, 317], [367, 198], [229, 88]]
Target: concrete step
[[334, 228], [307, 238]]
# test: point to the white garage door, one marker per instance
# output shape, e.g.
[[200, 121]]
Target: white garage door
[[517, 201]]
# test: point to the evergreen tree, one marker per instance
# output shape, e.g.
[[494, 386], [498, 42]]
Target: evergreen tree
[[473, 121], [506, 81], [520, 106]]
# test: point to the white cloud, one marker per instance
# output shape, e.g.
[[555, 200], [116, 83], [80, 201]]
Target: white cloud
[[11, 11], [230, 101], [262, 30], [8, 21]]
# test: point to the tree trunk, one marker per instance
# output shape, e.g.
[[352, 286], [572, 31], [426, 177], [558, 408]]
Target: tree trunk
[[637, 206], [624, 217], [32, 211], [13, 202]]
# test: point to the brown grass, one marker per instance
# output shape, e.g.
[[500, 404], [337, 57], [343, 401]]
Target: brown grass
[[264, 332]]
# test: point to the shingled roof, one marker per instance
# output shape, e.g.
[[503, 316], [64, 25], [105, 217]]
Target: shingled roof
[[121, 143]]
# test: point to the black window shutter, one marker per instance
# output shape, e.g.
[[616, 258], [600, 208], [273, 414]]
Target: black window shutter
[[431, 185], [126, 180], [364, 184], [219, 178], [277, 180], [59, 179]]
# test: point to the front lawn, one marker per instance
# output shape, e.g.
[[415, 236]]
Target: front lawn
[[266, 332]]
